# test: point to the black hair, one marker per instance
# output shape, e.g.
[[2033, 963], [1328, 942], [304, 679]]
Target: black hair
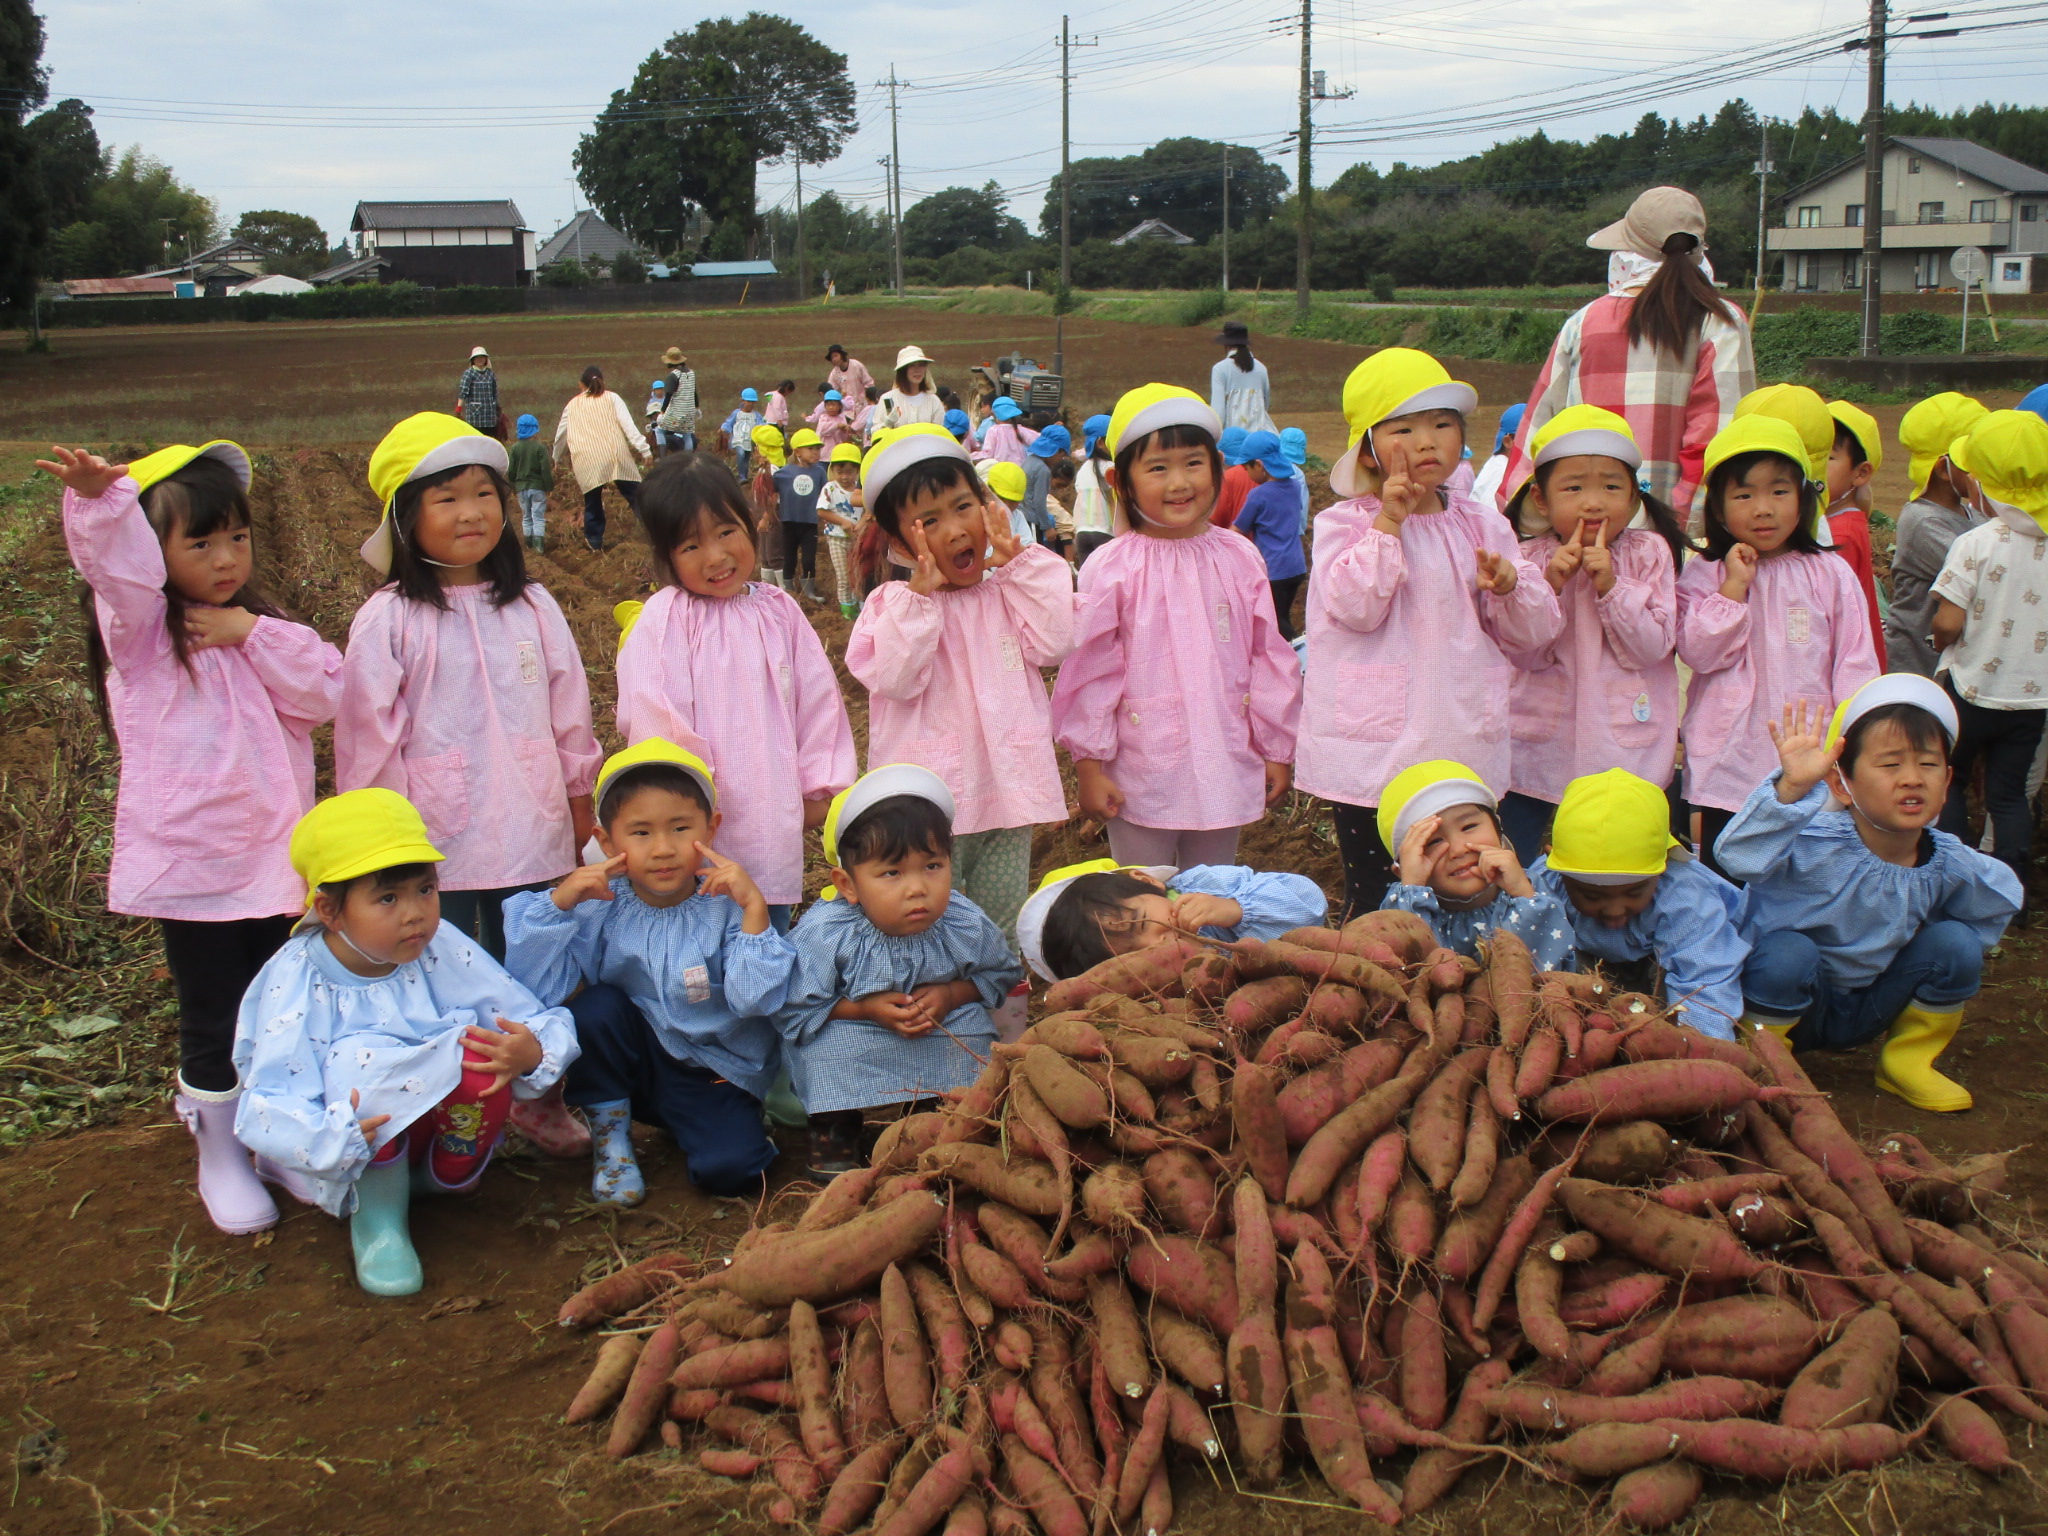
[[1669, 526], [337, 890], [679, 496], [785, 384], [1242, 356], [668, 776], [873, 393], [884, 522], [1676, 301], [504, 568], [590, 375], [894, 829], [1076, 928], [1922, 731], [1179, 435], [1730, 472], [1845, 438]]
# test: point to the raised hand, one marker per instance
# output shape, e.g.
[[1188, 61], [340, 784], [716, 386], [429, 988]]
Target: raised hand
[[1416, 864], [1738, 570], [511, 1050], [1399, 495], [723, 877], [206, 628], [589, 882], [1499, 866], [1597, 559], [1564, 565], [1496, 573], [924, 577], [85, 474], [1802, 751], [1002, 539]]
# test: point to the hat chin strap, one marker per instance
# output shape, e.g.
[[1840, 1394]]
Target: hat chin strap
[[342, 935]]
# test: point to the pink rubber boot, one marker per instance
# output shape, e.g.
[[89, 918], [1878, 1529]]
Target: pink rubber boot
[[234, 1196], [550, 1125]]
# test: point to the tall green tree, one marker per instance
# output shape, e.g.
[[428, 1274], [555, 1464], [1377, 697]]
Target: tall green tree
[[961, 216], [70, 158], [1178, 180], [703, 113], [24, 208], [296, 241], [139, 216]]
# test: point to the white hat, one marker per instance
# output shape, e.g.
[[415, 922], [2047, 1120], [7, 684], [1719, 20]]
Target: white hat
[[911, 355], [1039, 904], [875, 786], [1895, 688], [477, 352], [899, 448]]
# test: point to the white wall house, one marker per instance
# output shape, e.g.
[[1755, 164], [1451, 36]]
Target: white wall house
[[447, 244]]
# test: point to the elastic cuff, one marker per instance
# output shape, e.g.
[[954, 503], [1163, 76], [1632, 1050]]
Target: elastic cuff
[[1929, 1005], [208, 1095]]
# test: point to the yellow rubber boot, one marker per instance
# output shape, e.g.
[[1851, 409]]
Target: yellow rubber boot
[[1906, 1064], [1778, 1026]]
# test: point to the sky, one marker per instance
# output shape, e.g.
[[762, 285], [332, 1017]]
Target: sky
[[261, 104]]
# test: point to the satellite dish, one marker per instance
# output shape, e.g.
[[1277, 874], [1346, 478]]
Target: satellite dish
[[1970, 265]]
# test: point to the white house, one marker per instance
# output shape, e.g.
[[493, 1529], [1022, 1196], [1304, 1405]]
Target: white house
[[1152, 229], [447, 244], [274, 282]]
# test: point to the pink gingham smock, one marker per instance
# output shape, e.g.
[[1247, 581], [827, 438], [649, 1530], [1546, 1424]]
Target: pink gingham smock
[[744, 683], [953, 686], [1179, 683], [1604, 694], [216, 762], [1004, 442], [480, 716], [1804, 633], [833, 430], [1405, 658]]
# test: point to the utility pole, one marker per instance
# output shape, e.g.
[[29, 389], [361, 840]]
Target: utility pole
[[895, 183], [803, 269], [1305, 187], [1763, 176], [1059, 304], [1873, 182], [1226, 218]]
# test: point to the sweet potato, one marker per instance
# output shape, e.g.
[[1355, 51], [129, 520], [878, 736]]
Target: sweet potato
[[1187, 1349], [607, 1379], [1653, 1090], [730, 1365], [1661, 1040], [1818, 1133], [842, 1199], [1632, 1367], [1471, 1234], [1677, 1244], [1695, 1196], [631, 1287], [1379, 1172], [1072, 1034], [1511, 979], [1092, 1253], [1337, 1009], [725, 1463], [1510, 1236], [2024, 1330], [1851, 1381], [1538, 1065], [1042, 1491], [1632, 1152], [1435, 1472], [810, 1375], [1610, 1449], [1183, 1191], [1145, 1452], [1024, 1243], [1408, 936], [1759, 1338], [1259, 1005], [1657, 1496], [1539, 1286], [1970, 1435], [1775, 1453], [996, 1277], [1613, 1302], [1481, 1154], [1029, 1185], [1075, 1099], [1424, 1371], [1437, 1122], [863, 1393], [1319, 1162], [945, 1324], [1153, 1060], [898, 1147], [1150, 972], [1698, 1397], [1192, 1277], [933, 1496], [1321, 1387], [1119, 1338], [906, 1358], [647, 1390], [1256, 1372], [1413, 1225], [826, 1265], [1055, 1386], [1310, 1101], [1806, 1177], [1113, 1198], [1207, 975]]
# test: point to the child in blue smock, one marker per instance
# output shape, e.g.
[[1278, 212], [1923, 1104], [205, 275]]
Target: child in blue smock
[[1634, 894], [1082, 915], [896, 972], [1457, 872], [376, 1048], [679, 965], [1863, 919]]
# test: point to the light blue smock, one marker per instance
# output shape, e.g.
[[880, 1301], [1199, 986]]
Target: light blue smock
[[1543, 922]]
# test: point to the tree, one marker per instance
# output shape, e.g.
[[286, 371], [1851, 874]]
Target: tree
[[959, 216], [296, 243], [139, 216], [1178, 180], [703, 112], [69, 157], [24, 210]]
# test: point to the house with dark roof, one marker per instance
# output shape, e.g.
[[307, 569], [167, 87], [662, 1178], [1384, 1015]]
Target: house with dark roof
[[587, 238], [357, 269], [1939, 196], [1152, 229], [447, 244]]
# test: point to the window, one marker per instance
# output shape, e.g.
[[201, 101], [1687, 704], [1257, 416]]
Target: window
[[1809, 218], [1852, 270], [2029, 212], [1806, 272], [1927, 270], [2012, 271], [1983, 210], [1912, 165], [1852, 216], [1932, 213]]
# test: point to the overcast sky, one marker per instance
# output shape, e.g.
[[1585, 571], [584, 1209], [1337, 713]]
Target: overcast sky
[[265, 104]]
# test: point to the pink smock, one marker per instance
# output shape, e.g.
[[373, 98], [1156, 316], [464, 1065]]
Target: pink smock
[[1604, 694], [1405, 654], [1005, 442], [480, 716], [1179, 683], [744, 683], [954, 686], [217, 755], [1804, 633]]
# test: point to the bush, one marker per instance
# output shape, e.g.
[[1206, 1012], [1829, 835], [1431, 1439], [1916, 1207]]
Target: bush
[[568, 273], [356, 301], [1382, 285], [628, 268], [1202, 308]]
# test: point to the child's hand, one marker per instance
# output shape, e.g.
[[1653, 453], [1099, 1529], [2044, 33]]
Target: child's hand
[[589, 882], [899, 1013], [1279, 778], [939, 998], [85, 474], [1399, 495], [1738, 570], [1597, 559], [1496, 573], [1194, 912], [208, 628], [724, 877], [1499, 866], [509, 1051], [1416, 866], [1100, 797], [925, 579], [369, 1125], [815, 812], [1801, 753], [1564, 565], [1000, 537]]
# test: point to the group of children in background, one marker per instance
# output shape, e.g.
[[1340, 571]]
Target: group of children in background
[[492, 922]]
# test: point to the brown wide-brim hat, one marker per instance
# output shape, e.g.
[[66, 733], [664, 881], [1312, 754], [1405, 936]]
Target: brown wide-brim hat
[[1654, 217], [673, 355]]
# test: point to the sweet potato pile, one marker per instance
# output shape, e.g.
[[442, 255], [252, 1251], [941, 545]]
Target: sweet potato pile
[[1349, 1196]]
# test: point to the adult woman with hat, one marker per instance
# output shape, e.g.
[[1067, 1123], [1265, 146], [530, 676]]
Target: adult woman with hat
[[915, 397], [1662, 348], [678, 420], [1240, 393], [476, 395], [603, 442]]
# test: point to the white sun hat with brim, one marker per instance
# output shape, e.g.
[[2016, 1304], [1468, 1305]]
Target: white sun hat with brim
[[1394, 381], [477, 352], [1038, 905], [875, 786], [911, 355], [422, 445], [1895, 688], [1427, 789], [899, 448]]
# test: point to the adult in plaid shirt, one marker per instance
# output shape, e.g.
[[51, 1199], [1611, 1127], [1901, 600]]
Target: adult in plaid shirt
[[476, 396]]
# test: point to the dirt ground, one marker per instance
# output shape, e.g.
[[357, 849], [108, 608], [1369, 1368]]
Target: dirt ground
[[156, 1376]]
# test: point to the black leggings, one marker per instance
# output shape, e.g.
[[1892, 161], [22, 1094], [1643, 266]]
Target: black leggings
[[1368, 867], [211, 966], [1283, 604], [1713, 822], [2004, 740], [799, 540]]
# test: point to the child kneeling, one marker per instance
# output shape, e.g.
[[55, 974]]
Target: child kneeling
[[896, 971], [679, 967], [376, 1046], [1084, 914], [1864, 920]]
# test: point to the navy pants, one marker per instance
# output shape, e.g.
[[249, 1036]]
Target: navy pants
[[1941, 967], [480, 915], [1525, 823], [717, 1125]]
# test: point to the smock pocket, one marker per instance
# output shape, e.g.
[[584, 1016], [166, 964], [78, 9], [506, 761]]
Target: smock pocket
[[540, 770], [1372, 701], [1537, 704], [1633, 715], [941, 754], [439, 792], [198, 816], [1152, 735]]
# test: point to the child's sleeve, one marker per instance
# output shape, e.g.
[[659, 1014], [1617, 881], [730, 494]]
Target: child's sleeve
[[121, 559], [1758, 842], [568, 696], [1274, 901], [1849, 622], [1984, 898], [1639, 614], [1702, 954], [374, 720], [990, 965], [1275, 668], [814, 987], [1713, 631], [300, 671], [1957, 581], [1090, 685], [1360, 584], [1038, 595], [467, 977], [281, 1037], [825, 762], [548, 951], [895, 641], [1529, 617], [759, 968]]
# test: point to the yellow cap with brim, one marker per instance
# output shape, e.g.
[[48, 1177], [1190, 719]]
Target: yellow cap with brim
[[1930, 429], [2008, 453], [1031, 917], [1394, 381], [1613, 828], [804, 437], [1577, 429], [1006, 480], [1759, 433], [875, 786], [1863, 427], [1895, 688], [768, 443], [1427, 789], [626, 614], [1807, 414], [165, 462], [1153, 408], [899, 448], [422, 445], [653, 750], [358, 833], [846, 453]]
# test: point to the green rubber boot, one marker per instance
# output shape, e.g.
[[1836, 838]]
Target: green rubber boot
[[385, 1262]]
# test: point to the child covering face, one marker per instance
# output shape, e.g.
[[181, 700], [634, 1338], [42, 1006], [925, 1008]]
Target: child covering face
[[1080, 916]]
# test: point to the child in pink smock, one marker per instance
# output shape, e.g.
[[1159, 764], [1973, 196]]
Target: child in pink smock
[[950, 659], [1604, 694], [1180, 702], [1766, 619], [1004, 437], [212, 694], [1413, 598], [730, 669]]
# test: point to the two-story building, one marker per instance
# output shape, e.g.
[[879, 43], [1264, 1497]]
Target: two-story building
[[446, 244], [1939, 195]]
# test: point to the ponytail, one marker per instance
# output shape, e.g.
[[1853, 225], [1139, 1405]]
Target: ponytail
[[1673, 305], [1242, 356]]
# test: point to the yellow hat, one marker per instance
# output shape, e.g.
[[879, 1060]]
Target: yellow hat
[[1394, 381], [1930, 429], [626, 614], [1575, 429], [1863, 427], [1427, 789], [358, 833], [1808, 415], [1006, 480], [1895, 688], [1152, 407], [768, 443], [418, 446], [655, 749], [1038, 906], [2008, 453], [899, 448], [165, 462], [1612, 828], [875, 786], [845, 453], [804, 437], [1754, 434]]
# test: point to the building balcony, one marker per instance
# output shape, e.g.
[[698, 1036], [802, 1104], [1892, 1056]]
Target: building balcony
[[1897, 237]]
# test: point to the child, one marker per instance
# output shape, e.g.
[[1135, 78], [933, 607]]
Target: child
[[1853, 461], [736, 433], [531, 469], [797, 485], [960, 425], [864, 419], [1635, 894], [1180, 702], [213, 699], [1940, 512], [657, 402], [1005, 482], [1049, 446], [1096, 520], [1271, 519], [1863, 920], [951, 657], [1605, 692], [772, 455], [1237, 480], [1294, 449], [896, 974], [1413, 598], [1456, 870], [678, 966], [375, 1048], [1488, 484], [1005, 437], [1765, 617], [732, 671], [840, 507], [1059, 502], [834, 426], [1993, 632], [1082, 915], [777, 414]]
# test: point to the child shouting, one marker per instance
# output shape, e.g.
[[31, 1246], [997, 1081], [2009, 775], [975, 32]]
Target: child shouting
[[1941, 511], [1865, 921], [678, 966]]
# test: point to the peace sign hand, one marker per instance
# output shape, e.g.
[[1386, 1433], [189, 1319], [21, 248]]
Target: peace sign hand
[[1596, 559], [1002, 539], [84, 474], [924, 578], [590, 882], [1399, 495]]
